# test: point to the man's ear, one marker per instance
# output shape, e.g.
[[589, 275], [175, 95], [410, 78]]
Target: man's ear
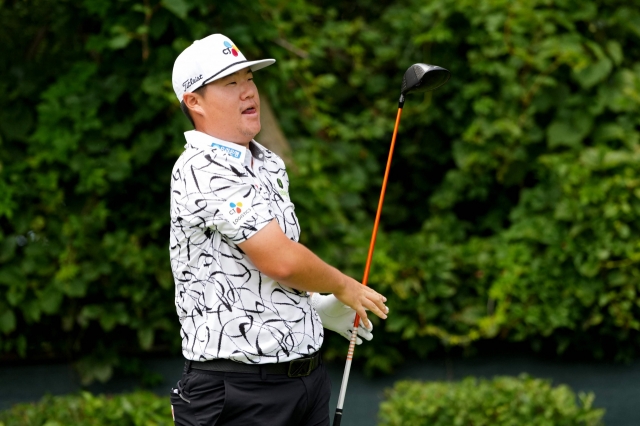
[[193, 101]]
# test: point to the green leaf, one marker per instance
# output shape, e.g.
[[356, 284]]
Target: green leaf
[[120, 41], [50, 300], [145, 338], [179, 7], [562, 134], [615, 51], [7, 321], [592, 74]]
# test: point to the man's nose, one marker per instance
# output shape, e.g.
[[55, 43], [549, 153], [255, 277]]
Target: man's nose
[[248, 90]]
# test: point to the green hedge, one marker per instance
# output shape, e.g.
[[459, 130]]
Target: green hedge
[[511, 214], [503, 401], [133, 409]]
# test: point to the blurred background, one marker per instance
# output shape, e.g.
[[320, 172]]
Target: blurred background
[[509, 239]]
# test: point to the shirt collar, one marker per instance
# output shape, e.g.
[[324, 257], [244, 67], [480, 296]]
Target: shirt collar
[[233, 150], [256, 150], [204, 141]]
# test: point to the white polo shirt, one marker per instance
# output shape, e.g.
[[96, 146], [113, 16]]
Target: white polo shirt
[[226, 306]]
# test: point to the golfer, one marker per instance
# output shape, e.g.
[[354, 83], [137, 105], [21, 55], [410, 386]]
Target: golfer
[[247, 293]]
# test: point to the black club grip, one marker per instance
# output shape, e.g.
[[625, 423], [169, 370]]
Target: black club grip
[[337, 419]]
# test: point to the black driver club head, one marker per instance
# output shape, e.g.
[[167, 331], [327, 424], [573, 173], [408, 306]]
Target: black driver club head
[[423, 78]]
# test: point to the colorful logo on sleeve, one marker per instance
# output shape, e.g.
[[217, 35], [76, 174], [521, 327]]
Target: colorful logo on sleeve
[[235, 207], [240, 212], [230, 49]]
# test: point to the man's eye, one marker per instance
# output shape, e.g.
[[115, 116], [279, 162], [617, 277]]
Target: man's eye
[[233, 82]]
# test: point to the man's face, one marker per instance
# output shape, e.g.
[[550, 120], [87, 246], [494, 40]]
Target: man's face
[[231, 107]]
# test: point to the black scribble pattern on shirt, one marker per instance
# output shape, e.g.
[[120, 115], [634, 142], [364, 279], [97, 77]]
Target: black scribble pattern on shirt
[[226, 307]]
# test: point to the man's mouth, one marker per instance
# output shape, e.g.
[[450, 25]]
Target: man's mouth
[[250, 110]]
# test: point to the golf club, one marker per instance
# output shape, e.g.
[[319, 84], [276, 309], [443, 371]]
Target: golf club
[[417, 79]]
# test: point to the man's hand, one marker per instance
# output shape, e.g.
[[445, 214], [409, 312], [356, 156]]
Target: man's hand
[[362, 298], [292, 264], [338, 317]]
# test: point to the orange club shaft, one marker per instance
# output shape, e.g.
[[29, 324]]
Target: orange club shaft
[[365, 278]]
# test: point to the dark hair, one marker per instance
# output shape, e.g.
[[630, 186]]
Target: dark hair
[[185, 109]]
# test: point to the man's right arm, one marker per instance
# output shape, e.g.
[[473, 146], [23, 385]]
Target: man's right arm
[[292, 264]]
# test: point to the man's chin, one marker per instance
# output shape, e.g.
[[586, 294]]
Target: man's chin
[[250, 132]]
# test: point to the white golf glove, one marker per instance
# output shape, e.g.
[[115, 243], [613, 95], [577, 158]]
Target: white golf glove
[[338, 317]]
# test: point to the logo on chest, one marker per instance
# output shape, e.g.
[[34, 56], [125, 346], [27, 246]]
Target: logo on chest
[[283, 192]]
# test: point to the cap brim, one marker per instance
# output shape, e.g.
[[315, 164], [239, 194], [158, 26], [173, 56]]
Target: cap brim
[[254, 65]]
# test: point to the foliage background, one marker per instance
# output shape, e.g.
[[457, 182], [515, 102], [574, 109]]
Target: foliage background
[[511, 214]]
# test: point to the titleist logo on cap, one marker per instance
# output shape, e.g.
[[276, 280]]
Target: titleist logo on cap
[[191, 81]]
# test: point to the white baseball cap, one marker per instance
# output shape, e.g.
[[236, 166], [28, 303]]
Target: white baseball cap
[[209, 59]]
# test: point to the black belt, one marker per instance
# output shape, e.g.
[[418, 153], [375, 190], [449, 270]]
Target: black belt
[[297, 368]]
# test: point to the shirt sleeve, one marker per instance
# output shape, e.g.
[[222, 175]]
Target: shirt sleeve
[[209, 192]]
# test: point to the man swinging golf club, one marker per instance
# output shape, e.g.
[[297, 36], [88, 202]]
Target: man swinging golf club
[[247, 293]]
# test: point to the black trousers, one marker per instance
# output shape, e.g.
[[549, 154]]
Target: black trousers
[[208, 398]]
